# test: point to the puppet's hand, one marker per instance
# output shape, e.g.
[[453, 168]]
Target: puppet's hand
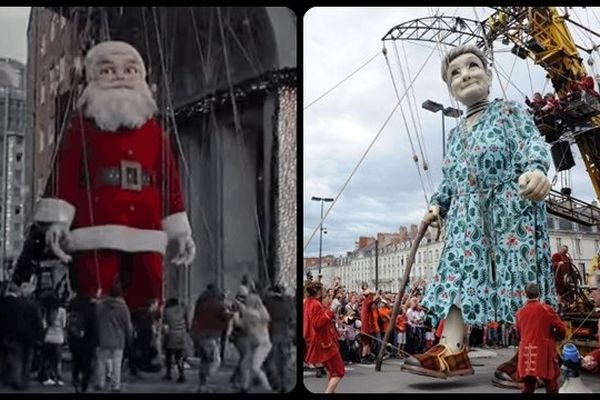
[[186, 250], [432, 214], [534, 185], [58, 238]]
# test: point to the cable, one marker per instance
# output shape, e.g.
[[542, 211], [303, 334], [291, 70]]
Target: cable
[[342, 81], [365, 153]]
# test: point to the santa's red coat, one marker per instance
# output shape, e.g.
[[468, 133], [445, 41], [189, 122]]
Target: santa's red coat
[[537, 347], [101, 212], [137, 217], [320, 335]]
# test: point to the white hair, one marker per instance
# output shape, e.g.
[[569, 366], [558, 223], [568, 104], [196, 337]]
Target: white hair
[[112, 109]]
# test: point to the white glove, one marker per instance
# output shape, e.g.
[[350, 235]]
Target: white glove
[[432, 214], [57, 238], [534, 185], [186, 250]]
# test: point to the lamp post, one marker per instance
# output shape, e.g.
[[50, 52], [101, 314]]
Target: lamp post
[[446, 112], [322, 200]]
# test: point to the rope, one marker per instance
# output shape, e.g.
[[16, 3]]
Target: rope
[[239, 135], [412, 146], [365, 154], [491, 53], [342, 81]]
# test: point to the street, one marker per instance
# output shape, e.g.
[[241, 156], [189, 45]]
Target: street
[[362, 378], [154, 383]]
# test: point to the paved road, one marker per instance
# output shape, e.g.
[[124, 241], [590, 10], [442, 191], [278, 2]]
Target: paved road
[[362, 378], [153, 383]]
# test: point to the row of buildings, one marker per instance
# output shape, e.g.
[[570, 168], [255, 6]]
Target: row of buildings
[[387, 256]]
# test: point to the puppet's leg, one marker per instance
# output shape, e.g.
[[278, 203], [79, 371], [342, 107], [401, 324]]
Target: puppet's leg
[[449, 357], [96, 269]]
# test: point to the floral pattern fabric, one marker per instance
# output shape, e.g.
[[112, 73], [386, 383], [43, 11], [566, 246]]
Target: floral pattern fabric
[[496, 242]]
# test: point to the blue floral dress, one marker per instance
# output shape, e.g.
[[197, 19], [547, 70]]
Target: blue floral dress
[[496, 242]]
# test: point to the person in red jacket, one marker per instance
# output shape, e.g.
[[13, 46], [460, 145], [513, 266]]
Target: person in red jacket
[[369, 323], [321, 337], [591, 362], [539, 328]]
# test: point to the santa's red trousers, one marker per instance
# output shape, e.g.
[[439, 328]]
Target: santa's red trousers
[[141, 274]]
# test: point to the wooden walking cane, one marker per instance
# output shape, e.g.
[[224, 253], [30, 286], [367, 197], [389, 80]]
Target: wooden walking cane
[[409, 264]]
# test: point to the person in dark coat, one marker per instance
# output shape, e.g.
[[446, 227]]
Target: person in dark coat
[[82, 338], [175, 327], [210, 319], [23, 329], [282, 310]]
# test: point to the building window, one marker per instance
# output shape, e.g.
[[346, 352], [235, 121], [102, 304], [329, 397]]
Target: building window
[[583, 271], [19, 156], [558, 244], [596, 245], [42, 93], [62, 69], [578, 247], [63, 22], [43, 45], [41, 141], [52, 28]]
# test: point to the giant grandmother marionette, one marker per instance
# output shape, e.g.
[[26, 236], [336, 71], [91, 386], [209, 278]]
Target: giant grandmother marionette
[[116, 200], [496, 237]]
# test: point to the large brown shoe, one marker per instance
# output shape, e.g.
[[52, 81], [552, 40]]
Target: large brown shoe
[[439, 362], [506, 375]]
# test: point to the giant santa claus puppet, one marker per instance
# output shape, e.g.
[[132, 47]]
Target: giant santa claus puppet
[[115, 200]]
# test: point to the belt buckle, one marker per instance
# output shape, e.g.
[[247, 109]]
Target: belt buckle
[[131, 175]]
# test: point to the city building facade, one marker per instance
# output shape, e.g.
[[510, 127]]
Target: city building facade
[[13, 188], [358, 267]]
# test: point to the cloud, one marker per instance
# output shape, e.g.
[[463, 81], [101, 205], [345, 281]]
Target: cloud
[[13, 32]]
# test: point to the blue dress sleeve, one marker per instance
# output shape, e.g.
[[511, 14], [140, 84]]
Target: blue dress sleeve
[[530, 150]]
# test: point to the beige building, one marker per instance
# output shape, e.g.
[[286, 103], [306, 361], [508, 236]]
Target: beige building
[[359, 266]]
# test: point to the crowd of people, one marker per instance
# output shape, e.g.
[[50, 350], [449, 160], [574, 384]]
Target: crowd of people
[[578, 88], [103, 335], [362, 318]]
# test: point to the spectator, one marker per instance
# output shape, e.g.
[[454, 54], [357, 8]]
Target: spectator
[[322, 337], [416, 328], [114, 331], [369, 325], [253, 320], [22, 328], [401, 321], [175, 328], [210, 319], [55, 321], [591, 361], [83, 339], [282, 309]]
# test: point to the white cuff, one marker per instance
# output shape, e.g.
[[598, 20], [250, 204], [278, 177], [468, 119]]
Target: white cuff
[[118, 237], [177, 224], [54, 210]]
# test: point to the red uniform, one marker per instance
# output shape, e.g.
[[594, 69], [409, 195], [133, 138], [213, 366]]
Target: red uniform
[[560, 271], [123, 211], [537, 348], [321, 338]]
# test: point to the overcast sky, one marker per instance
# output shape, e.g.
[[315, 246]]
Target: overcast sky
[[386, 190], [13, 32]]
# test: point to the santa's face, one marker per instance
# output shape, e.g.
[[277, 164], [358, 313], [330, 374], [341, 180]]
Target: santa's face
[[117, 96], [118, 70], [469, 81]]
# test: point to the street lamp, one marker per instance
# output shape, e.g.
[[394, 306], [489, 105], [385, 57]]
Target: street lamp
[[322, 200], [446, 112]]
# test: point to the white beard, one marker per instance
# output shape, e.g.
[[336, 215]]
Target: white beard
[[112, 109]]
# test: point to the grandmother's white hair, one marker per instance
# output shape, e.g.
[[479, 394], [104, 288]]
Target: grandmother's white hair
[[459, 51], [110, 47]]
